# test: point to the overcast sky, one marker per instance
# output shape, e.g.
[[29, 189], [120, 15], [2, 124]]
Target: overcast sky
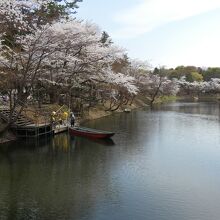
[[163, 32]]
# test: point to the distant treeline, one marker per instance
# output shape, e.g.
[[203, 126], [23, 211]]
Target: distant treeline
[[192, 73]]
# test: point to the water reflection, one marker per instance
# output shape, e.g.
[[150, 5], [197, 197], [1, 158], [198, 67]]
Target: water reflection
[[48, 181], [104, 142], [196, 108]]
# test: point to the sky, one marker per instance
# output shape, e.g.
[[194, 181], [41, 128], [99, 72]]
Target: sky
[[162, 32]]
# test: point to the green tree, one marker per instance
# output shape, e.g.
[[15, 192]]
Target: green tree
[[196, 76], [211, 73], [172, 73], [55, 10], [105, 38]]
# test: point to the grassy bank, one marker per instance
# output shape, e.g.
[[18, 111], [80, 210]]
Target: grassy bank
[[164, 99], [99, 111], [199, 98]]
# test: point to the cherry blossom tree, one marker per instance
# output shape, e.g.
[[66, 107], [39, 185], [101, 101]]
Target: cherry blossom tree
[[68, 53], [196, 88], [154, 85], [120, 90], [190, 88], [212, 86], [151, 85]]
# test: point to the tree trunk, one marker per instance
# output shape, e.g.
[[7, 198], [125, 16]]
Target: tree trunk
[[53, 97], [155, 94]]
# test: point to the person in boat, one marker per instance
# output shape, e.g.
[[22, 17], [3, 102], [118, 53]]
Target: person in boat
[[72, 119]]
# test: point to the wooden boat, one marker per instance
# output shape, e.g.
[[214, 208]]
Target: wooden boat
[[90, 133]]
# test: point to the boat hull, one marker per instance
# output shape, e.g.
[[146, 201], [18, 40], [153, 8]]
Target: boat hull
[[90, 133]]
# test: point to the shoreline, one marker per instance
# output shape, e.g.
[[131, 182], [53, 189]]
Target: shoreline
[[94, 113], [98, 111]]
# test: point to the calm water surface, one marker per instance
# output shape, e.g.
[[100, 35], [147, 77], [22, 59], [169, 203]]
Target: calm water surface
[[161, 165]]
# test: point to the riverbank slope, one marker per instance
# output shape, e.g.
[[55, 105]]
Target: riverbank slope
[[42, 114]]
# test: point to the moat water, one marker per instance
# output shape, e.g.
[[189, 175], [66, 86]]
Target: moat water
[[162, 164]]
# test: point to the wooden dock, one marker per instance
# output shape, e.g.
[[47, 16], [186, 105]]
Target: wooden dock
[[33, 130], [24, 127], [60, 129]]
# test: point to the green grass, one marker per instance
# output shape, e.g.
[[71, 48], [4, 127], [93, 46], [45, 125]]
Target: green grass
[[164, 99]]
